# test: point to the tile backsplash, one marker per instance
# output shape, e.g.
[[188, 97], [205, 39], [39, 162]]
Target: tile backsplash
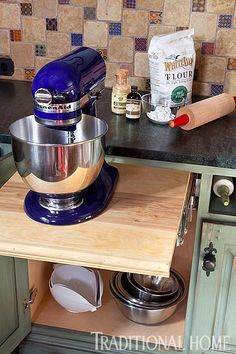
[[34, 32]]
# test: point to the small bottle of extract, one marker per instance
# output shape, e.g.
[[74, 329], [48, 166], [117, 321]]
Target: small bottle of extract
[[133, 104]]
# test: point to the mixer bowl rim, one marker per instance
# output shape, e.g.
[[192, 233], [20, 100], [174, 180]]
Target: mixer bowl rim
[[54, 144]]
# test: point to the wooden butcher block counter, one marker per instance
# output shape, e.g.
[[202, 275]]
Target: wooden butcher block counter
[[136, 233]]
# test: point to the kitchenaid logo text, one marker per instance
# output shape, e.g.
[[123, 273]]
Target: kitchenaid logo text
[[178, 63], [157, 343]]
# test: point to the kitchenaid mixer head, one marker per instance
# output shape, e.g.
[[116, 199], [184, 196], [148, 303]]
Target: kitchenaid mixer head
[[63, 87]]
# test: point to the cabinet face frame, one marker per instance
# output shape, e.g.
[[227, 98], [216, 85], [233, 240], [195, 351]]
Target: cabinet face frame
[[19, 270], [215, 294]]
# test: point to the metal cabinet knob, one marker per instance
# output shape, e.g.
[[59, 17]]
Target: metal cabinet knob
[[209, 259]]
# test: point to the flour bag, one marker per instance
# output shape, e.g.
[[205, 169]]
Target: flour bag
[[171, 62]]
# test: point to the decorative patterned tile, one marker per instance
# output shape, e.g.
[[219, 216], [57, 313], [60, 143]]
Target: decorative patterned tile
[[76, 39], [15, 35], [148, 86], [231, 64], [130, 4], [29, 74], [198, 5], [155, 17], [140, 44], [26, 9], [40, 50], [115, 28], [51, 24], [103, 53], [216, 89], [89, 13], [207, 48], [225, 21], [63, 2]]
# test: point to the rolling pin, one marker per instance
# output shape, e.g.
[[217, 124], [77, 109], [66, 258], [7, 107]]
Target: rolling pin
[[202, 112]]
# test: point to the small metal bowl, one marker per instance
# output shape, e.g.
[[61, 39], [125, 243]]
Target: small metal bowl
[[144, 315], [147, 294], [156, 284]]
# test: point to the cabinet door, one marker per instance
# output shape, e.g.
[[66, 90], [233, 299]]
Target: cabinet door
[[14, 319], [214, 325]]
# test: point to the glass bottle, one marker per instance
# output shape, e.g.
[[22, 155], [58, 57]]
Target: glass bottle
[[119, 92], [133, 104], [223, 187]]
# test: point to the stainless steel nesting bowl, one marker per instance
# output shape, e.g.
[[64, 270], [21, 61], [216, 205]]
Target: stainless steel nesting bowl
[[57, 161], [144, 312], [160, 289]]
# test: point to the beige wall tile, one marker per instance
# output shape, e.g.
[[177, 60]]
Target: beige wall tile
[[212, 69], [134, 23], [177, 12], [10, 16], [204, 26], [121, 49], [201, 88], [55, 50], [141, 65], [225, 42], [230, 83], [19, 74], [22, 54], [220, 6], [112, 68], [95, 34], [69, 19], [138, 81], [33, 29], [154, 5], [40, 62], [4, 42], [87, 3], [159, 30], [109, 10], [45, 8]]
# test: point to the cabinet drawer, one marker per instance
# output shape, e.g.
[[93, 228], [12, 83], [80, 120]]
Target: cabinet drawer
[[136, 233]]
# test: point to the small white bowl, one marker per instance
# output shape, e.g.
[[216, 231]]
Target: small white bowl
[[75, 288]]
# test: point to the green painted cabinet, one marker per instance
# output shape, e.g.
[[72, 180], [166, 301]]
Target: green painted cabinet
[[214, 325], [14, 318]]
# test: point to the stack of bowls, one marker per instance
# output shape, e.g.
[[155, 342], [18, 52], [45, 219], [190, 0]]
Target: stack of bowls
[[147, 299]]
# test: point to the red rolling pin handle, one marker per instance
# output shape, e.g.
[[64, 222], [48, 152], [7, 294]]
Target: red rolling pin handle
[[181, 120]]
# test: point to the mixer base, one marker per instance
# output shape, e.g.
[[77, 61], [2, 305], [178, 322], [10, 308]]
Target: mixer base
[[95, 199]]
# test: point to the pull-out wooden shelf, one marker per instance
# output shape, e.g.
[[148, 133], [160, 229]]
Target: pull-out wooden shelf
[[136, 233]]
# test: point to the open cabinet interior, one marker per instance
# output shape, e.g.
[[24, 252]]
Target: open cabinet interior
[[108, 319]]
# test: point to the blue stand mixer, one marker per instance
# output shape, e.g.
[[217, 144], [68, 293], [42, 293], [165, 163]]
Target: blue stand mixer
[[59, 151]]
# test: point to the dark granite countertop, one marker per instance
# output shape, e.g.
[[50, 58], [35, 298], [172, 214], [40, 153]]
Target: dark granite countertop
[[213, 144]]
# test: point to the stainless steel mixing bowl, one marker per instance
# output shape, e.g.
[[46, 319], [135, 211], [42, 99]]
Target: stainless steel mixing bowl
[[142, 314], [122, 286], [56, 161]]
